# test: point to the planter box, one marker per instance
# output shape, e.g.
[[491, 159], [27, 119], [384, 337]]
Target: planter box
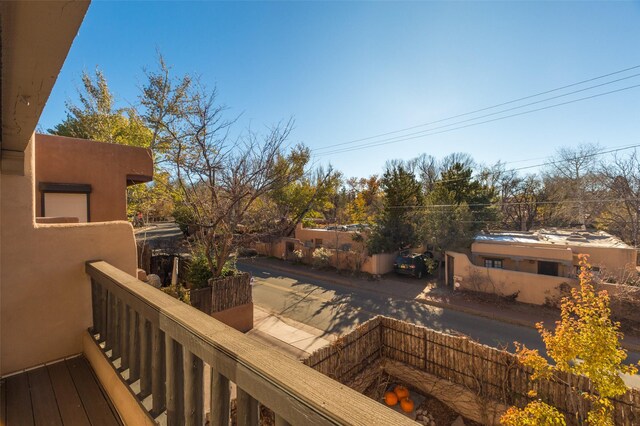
[[227, 299]]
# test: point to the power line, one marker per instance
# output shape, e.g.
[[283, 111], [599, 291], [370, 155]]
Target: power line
[[495, 113], [483, 109], [375, 144], [520, 203]]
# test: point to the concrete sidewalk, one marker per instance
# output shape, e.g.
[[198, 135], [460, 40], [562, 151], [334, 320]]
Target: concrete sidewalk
[[293, 338], [425, 292]]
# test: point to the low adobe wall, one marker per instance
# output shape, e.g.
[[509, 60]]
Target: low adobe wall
[[525, 287]]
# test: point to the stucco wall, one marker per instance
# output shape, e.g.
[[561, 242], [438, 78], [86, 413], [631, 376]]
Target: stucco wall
[[530, 288], [104, 166], [613, 260], [45, 295], [330, 239]]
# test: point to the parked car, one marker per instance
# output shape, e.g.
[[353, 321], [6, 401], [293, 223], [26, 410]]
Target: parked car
[[414, 264]]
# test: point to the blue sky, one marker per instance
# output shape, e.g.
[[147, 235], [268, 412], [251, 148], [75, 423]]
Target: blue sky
[[350, 70]]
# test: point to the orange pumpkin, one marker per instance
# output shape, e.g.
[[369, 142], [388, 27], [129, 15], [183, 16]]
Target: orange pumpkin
[[401, 392], [407, 405], [390, 399]]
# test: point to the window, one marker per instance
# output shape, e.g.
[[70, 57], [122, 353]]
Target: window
[[493, 263], [65, 200], [318, 242]]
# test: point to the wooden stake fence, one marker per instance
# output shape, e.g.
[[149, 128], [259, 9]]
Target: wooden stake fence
[[488, 372]]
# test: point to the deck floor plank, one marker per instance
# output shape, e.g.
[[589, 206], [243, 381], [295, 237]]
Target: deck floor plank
[[71, 408], [19, 408], [43, 399], [93, 400]]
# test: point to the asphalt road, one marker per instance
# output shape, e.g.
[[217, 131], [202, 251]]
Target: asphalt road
[[338, 309], [160, 235]]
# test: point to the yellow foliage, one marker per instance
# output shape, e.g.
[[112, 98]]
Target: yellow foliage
[[534, 414], [585, 342]]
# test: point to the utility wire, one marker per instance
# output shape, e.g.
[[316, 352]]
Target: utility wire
[[490, 114], [484, 109], [375, 144], [422, 132], [519, 203]]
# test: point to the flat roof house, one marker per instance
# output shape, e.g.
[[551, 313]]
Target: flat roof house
[[535, 267], [553, 252]]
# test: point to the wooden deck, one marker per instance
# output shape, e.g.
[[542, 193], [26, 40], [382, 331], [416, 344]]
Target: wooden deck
[[64, 393]]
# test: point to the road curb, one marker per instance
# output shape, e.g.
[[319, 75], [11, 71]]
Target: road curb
[[431, 302]]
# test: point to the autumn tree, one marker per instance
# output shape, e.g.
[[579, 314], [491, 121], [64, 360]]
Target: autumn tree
[[585, 342], [220, 178]]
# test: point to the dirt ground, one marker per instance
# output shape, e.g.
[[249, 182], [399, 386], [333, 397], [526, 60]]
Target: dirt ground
[[441, 413]]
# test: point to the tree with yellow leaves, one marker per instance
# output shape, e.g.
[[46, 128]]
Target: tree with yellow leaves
[[585, 342]]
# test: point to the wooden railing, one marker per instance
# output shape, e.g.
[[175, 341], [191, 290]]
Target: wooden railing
[[165, 344]]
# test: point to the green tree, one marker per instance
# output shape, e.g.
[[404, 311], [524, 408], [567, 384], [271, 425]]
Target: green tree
[[457, 206], [585, 342], [397, 225]]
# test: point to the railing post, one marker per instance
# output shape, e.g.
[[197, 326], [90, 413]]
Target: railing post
[[113, 332], [145, 356], [247, 409], [175, 381], [134, 346], [193, 397], [158, 370], [124, 335], [220, 399], [95, 307], [102, 321]]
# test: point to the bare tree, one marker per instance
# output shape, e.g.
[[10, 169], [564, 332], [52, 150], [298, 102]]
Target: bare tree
[[219, 178], [621, 216], [573, 170]]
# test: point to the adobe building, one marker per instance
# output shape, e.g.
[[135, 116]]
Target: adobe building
[[86, 180], [538, 266]]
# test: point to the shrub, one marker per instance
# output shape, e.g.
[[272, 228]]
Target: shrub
[[321, 257], [199, 273], [297, 256]]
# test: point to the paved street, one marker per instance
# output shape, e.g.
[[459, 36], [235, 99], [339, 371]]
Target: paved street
[[160, 235], [337, 309]]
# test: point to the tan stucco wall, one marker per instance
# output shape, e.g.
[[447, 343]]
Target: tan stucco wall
[[104, 166], [45, 295], [330, 239], [615, 260], [239, 317], [531, 288]]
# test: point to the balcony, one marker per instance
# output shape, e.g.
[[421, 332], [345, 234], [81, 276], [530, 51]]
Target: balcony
[[162, 349]]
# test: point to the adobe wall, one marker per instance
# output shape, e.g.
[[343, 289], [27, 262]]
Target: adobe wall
[[530, 288], [46, 295], [104, 166]]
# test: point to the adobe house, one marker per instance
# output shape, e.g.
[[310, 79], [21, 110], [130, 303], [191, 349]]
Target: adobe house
[[553, 252], [535, 267], [85, 179]]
